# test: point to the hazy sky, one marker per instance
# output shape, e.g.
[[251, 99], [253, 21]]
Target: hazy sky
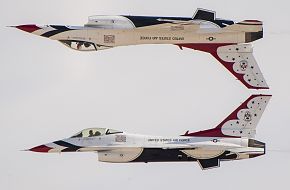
[[49, 92]]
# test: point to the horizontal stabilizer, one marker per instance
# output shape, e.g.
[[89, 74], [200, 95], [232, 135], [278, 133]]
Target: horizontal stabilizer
[[209, 163]]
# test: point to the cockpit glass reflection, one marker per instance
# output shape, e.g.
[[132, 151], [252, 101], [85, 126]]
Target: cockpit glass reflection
[[79, 45], [94, 132]]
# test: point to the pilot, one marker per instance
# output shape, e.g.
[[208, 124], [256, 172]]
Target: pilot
[[97, 133], [86, 44], [79, 45], [91, 134]]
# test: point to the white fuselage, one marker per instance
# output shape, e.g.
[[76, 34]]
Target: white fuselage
[[151, 35], [197, 147]]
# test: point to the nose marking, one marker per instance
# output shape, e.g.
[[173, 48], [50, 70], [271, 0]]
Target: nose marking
[[41, 148], [28, 28]]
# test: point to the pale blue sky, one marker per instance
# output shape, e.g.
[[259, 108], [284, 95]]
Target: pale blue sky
[[49, 92]]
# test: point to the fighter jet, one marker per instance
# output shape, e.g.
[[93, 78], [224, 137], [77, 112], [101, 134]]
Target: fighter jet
[[232, 139], [225, 40]]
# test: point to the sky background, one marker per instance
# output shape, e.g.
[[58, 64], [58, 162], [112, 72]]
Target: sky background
[[49, 92]]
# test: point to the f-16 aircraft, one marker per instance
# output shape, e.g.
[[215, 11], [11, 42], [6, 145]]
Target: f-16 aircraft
[[225, 40], [232, 139]]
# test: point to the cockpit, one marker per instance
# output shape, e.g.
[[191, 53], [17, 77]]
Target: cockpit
[[79, 45], [83, 45], [94, 132]]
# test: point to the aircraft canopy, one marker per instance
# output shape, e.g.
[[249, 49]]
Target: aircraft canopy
[[109, 22], [93, 132]]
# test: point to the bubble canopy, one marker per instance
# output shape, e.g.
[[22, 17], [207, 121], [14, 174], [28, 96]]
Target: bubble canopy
[[110, 22], [93, 132]]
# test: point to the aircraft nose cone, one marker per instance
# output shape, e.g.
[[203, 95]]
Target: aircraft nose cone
[[41, 148], [28, 28]]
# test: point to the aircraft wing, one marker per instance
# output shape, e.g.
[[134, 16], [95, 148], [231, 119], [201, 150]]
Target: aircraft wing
[[238, 59]]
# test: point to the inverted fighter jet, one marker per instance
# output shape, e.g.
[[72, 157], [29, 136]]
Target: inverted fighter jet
[[225, 40], [232, 139]]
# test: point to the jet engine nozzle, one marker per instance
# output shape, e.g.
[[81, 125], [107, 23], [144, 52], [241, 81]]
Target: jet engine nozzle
[[256, 144]]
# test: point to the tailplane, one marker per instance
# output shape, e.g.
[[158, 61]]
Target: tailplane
[[240, 123]]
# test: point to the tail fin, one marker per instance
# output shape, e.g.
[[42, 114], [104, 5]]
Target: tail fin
[[238, 59], [252, 28], [240, 123]]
